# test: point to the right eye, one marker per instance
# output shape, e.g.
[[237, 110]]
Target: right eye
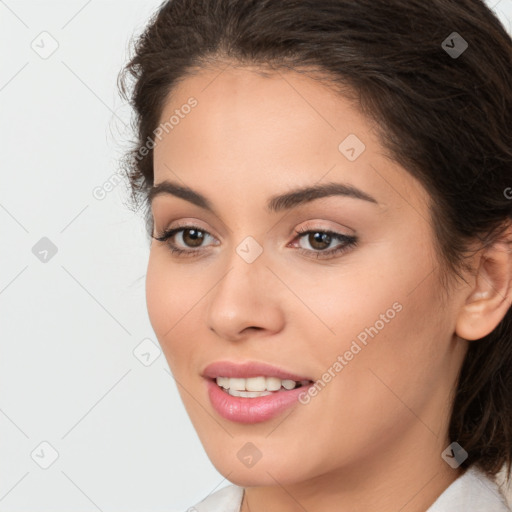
[[191, 236]]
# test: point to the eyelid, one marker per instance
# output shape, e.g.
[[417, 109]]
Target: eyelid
[[314, 225], [170, 232], [183, 224]]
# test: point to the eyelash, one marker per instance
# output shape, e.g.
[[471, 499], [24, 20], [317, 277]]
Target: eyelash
[[349, 242]]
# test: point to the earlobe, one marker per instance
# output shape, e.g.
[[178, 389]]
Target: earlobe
[[491, 296]]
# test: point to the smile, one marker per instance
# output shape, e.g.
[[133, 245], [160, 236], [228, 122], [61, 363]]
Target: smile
[[254, 387]]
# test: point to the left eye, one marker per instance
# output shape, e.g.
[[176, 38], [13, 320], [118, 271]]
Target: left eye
[[320, 240]]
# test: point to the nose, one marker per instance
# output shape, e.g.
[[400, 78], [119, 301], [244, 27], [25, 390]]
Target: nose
[[246, 299]]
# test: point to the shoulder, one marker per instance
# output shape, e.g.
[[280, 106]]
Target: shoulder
[[473, 491], [227, 499]]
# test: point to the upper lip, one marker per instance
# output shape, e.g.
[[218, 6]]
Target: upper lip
[[248, 369]]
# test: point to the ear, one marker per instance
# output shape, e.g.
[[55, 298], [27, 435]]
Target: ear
[[491, 295]]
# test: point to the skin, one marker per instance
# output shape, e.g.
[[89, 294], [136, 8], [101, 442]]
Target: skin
[[372, 438]]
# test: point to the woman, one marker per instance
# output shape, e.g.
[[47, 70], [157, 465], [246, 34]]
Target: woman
[[327, 186]]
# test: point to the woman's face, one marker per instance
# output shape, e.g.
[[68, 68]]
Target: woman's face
[[366, 321]]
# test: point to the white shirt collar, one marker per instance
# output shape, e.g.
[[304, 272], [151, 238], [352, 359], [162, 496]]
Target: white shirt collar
[[473, 491]]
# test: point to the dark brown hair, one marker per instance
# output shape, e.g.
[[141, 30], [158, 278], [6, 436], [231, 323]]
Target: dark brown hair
[[447, 119]]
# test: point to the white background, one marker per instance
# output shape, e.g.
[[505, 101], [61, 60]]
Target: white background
[[69, 326]]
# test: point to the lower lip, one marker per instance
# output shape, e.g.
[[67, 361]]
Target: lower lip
[[252, 410]]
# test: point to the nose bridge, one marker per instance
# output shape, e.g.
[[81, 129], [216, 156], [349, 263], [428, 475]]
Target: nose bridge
[[243, 297]]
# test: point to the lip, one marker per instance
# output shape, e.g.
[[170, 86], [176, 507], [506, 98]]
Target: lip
[[247, 370], [252, 410]]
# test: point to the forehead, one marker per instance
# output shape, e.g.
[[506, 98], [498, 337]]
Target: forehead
[[239, 104], [249, 131]]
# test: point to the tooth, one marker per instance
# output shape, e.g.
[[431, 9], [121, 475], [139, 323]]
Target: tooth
[[255, 384], [288, 384], [273, 383], [237, 384], [223, 382], [248, 394]]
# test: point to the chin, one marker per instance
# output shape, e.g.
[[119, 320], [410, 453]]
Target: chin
[[260, 474], [257, 478]]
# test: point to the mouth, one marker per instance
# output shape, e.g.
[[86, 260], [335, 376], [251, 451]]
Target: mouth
[[252, 392], [254, 387]]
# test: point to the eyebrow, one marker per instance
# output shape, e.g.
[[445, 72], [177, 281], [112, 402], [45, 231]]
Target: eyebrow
[[275, 204]]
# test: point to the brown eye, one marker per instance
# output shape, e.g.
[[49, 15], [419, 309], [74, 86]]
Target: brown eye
[[319, 240], [193, 237], [185, 240], [320, 243]]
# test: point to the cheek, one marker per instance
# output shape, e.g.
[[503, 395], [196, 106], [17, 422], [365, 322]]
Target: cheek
[[398, 355], [158, 295], [171, 295], [385, 322], [341, 304]]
